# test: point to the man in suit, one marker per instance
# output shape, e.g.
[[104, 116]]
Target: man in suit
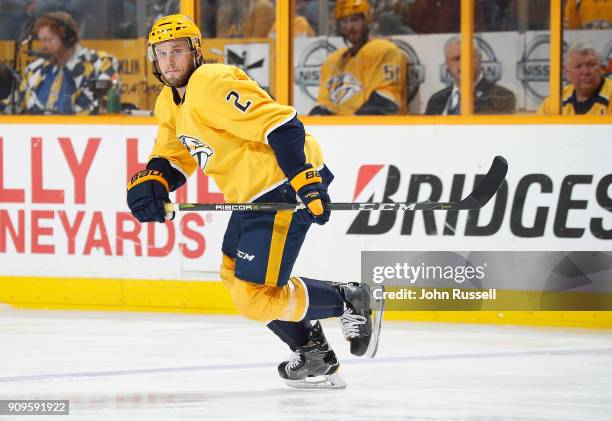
[[489, 98]]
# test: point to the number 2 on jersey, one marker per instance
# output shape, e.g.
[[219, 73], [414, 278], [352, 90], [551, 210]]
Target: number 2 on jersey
[[237, 103]]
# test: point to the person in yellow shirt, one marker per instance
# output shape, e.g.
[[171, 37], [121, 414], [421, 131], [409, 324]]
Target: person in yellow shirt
[[214, 118], [588, 92], [368, 77], [588, 14]]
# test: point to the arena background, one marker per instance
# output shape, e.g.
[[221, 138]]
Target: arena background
[[67, 240]]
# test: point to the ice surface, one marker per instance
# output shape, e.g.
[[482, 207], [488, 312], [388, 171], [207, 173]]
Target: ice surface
[[131, 366]]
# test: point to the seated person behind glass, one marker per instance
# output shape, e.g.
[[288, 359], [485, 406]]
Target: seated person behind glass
[[368, 77], [62, 80], [588, 92], [588, 14], [489, 97]]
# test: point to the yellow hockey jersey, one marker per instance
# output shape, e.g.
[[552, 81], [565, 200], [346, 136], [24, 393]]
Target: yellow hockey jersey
[[222, 126], [588, 14], [347, 82], [598, 104]]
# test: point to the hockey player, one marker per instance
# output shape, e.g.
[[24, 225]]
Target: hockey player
[[214, 118], [366, 78]]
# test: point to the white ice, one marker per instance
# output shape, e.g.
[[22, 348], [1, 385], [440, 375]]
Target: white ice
[[130, 366]]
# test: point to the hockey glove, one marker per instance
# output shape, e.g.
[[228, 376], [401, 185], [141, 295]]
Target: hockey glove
[[146, 195], [310, 189]]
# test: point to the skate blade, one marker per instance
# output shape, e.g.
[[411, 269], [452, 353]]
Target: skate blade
[[377, 316], [332, 381]]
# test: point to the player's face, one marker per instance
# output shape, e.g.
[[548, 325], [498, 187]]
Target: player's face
[[354, 28], [50, 42], [175, 61], [584, 72], [453, 62]]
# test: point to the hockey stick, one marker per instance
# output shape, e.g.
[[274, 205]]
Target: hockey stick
[[479, 197]]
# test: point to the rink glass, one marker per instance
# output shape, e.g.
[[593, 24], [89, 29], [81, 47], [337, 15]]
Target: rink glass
[[520, 63]]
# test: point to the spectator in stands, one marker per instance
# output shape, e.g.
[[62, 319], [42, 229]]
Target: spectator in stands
[[62, 80], [366, 78], [588, 92], [489, 98], [588, 14]]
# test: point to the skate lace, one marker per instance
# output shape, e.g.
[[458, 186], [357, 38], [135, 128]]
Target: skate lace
[[294, 360], [351, 323]]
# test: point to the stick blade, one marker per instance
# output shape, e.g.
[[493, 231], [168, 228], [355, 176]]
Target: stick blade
[[488, 186]]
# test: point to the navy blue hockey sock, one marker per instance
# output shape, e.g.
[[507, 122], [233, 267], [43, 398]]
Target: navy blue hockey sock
[[293, 334], [324, 300]]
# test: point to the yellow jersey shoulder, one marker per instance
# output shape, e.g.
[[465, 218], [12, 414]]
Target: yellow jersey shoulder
[[210, 78], [567, 91], [374, 47], [336, 55], [378, 45], [606, 89], [216, 71]]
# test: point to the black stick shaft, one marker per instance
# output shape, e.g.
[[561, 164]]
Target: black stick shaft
[[476, 200]]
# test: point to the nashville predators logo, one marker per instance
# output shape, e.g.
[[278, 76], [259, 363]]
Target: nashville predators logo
[[200, 151], [342, 87]]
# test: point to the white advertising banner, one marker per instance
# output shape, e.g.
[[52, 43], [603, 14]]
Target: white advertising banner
[[557, 195], [63, 210]]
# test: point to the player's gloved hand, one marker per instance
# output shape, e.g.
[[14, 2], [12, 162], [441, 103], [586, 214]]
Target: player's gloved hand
[[310, 189], [146, 195]]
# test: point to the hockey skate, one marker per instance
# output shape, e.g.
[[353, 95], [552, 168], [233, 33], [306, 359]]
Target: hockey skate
[[314, 365], [362, 318]]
